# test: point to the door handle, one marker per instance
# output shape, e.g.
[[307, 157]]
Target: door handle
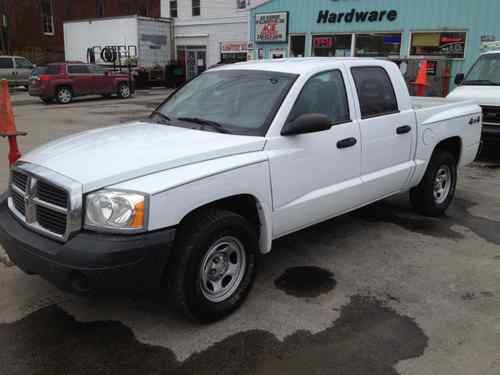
[[403, 129], [348, 142]]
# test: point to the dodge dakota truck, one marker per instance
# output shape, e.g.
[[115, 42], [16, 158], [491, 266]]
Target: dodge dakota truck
[[185, 201]]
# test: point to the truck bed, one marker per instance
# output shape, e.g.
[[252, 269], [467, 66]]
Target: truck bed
[[432, 109]]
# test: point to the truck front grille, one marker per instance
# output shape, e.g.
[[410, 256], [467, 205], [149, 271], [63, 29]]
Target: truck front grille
[[491, 114], [40, 204]]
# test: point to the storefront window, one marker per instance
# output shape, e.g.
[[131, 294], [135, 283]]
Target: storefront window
[[297, 45], [332, 45], [449, 44], [378, 45]]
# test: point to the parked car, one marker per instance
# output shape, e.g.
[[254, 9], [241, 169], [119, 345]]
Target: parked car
[[482, 83], [240, 156], [16, 70], [64, 81]]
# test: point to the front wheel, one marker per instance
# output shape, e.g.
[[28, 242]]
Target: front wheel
[[124, 91], [214, 265], [434, 194]]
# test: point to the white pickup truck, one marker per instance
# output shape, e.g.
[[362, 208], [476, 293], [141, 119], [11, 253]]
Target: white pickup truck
[[236, 158]]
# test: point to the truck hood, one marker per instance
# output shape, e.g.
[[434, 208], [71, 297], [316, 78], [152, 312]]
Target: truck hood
[[102, 157], [483, 95]]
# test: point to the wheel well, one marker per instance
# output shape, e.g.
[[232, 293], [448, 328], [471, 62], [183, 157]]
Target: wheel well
[[452, 145], [244, 205], [61, 86]]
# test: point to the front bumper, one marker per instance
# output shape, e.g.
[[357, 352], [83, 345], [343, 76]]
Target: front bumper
[[88, 261]]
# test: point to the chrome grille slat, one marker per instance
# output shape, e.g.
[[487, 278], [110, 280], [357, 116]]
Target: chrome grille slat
[[19, 180], [52, 194], [45, 201]]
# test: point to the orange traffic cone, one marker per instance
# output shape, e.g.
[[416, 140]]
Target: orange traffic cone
[[7, 123], [421, 81]]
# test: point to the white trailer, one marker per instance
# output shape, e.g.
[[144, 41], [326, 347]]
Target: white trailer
[[147, 42]]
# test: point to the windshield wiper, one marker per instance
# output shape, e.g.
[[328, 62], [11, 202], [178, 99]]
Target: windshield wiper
[[486, 82], [213, 124], [161, 115]]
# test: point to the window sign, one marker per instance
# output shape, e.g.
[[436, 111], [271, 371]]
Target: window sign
[[271, 27], [336, 45], [449, 44]]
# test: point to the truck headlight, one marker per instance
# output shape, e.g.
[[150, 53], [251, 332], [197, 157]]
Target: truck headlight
[[116, 211]]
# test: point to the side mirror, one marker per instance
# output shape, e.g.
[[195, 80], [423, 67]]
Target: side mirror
[[459, 78], [307, 123]]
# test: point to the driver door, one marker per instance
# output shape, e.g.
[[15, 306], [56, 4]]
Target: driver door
[[316, 176]]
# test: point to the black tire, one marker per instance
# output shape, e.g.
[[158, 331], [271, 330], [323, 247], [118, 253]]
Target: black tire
[[123, 91], [423, 197], [46, 100], [196, 238], [64, 95]]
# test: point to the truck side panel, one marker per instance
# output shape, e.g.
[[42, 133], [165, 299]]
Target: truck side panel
[[81, 35], [438, 123]]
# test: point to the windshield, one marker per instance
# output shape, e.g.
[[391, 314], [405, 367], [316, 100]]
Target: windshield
[[486, 71], [229, 101]]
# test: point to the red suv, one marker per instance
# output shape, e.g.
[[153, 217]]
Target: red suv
[[62, 82]]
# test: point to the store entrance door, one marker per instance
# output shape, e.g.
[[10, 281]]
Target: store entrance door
[[196, 62]]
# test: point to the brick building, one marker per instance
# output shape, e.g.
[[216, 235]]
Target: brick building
[[34, 28]]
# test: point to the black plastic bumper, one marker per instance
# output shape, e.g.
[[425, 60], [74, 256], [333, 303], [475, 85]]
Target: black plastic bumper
[[491, 132], [88, 261]]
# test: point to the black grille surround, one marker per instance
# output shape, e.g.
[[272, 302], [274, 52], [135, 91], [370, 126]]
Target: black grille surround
[[491, 114], [40, 204]]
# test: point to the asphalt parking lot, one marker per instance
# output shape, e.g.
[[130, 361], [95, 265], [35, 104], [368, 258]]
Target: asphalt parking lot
[[379, 291]]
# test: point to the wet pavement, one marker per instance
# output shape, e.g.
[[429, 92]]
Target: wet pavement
[[378, 291]]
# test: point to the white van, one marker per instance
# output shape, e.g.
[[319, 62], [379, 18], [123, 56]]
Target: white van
[[482, 83]]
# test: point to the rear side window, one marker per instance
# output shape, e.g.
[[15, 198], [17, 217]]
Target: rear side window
[[78, 69], [375, 91], [324, 93], [6, 63], [53, 69]]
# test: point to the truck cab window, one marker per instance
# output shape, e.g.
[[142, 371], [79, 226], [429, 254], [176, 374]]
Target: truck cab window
[[324, 93], [375, 91]]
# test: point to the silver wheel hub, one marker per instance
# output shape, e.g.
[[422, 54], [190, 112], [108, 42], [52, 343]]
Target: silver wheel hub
[[64, 95], [125, 91], [222, 269], [442, 184]]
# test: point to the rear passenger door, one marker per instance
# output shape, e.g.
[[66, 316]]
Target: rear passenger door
[[7, 69], [101, 82], [387, 132], [81, 78]]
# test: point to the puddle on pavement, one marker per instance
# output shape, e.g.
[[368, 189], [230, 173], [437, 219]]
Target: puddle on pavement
[[306, 281], [368, 338], [401, 215]]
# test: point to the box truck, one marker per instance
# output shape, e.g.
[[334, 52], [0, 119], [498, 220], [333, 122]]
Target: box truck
[[143, 45]]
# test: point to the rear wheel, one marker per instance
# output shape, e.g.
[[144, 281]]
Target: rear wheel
[[64, 95], [124, 91], [46, 100], [434, 194], [214, 265]]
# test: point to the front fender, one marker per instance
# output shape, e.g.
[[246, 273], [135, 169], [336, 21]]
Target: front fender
[[177, 192]]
